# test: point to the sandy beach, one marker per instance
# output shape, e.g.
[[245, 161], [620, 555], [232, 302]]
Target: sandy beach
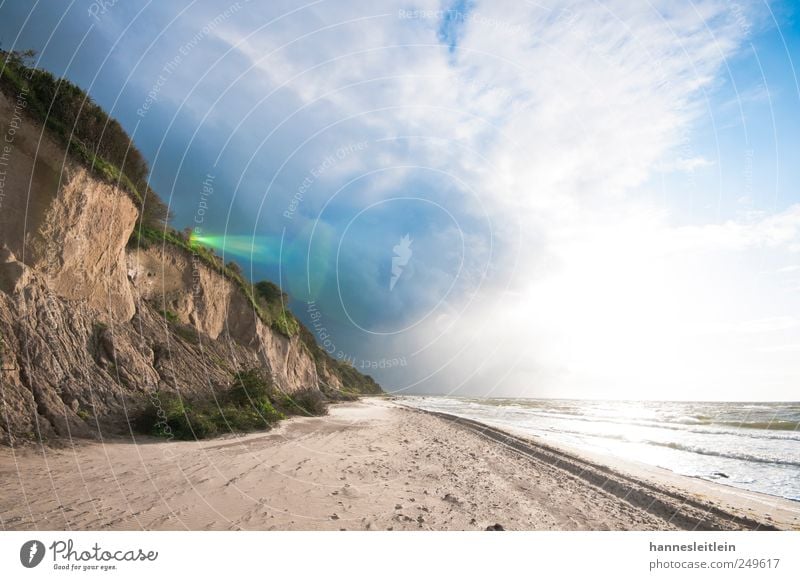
[[369, 465]]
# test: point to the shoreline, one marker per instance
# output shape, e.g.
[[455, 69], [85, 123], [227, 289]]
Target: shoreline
[[370, 465], [715, 497]]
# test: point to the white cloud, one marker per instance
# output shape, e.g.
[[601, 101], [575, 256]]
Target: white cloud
[[794, 347], [788, 269], [686, 164], [547, 123]]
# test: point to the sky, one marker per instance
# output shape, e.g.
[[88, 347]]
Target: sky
[[509, 198]]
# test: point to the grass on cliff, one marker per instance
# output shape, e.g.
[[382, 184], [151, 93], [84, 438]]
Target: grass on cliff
[[251, 403], [85, 130], [269, 306], [99, 142], [269, 303]]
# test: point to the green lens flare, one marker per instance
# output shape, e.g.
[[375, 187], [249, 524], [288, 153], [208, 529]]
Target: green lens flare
[[306, 275], [260, 249]]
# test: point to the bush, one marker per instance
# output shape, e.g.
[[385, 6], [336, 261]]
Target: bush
[[270, 292], [239, 418], [286, 324], [234, 269], [249, 405], [254, 388], [309, 402], [167, 415], [269, 412], [250, 386], [312, 402]]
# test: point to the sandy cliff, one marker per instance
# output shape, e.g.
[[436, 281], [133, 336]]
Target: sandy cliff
[[169, 279], [58, 219], [84, 336]]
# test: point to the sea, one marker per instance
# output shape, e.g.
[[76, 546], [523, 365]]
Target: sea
[[753, 446]]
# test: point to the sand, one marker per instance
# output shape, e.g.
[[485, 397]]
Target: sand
[[369, 465]]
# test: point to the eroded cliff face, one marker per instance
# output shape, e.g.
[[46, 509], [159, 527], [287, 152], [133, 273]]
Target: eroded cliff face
[[68, 373], [169, 279], [84, 339], [58, 219]]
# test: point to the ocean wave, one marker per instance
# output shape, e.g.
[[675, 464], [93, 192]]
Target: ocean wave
[[760, 432], [729, 455], [703, 424], [768, 425], [674, 445], [747, 457], [761, 417]]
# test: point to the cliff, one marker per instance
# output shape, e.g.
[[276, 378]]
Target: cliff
[[91, 326]]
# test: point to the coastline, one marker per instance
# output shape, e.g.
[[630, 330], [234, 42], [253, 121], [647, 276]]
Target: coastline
[[654, 485], [369, 465]]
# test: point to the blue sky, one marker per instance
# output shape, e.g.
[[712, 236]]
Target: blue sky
[[452, 23], [602, 197]]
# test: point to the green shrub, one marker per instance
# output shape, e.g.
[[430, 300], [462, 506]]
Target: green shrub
[[286, 324], [270, 292], [168, 415], [234, 269], [268, 302], [249, 405], [250, 386], [238, 418], [199, 425], [269, 412], [253, 388]]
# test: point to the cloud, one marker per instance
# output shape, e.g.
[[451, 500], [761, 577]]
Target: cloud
[[781, 230], [452, 22], [793, 348], [529, 131], [686, 164], [788, 269]]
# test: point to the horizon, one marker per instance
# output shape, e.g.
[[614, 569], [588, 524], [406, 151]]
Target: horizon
[[755, 401], [487, 199]]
